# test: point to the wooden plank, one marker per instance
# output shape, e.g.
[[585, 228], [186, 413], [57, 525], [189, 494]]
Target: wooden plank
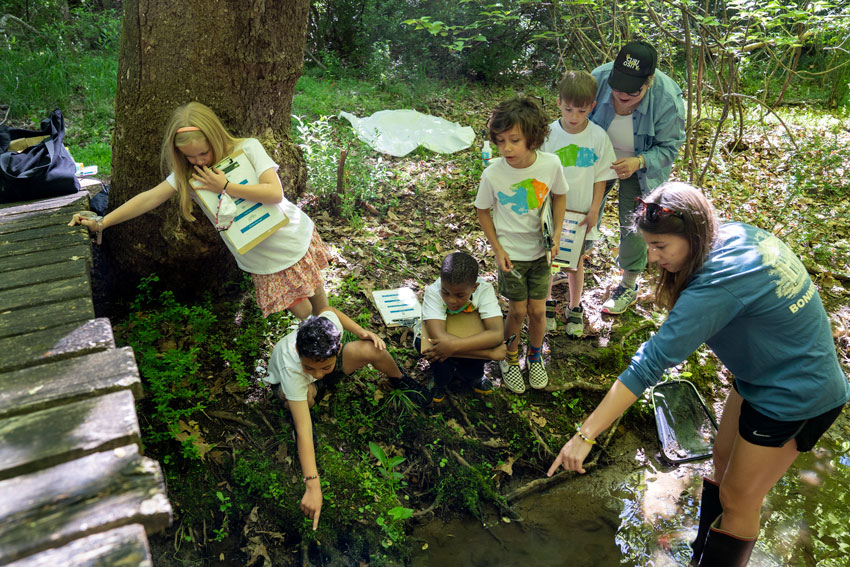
[[126, 546], [75, 201], [48, 272], [50, 231], [78, 251], [45, 438], [14, 248], [42, 317], [99, 492], [59, 382], [13, 224], [25, 294], [56, 343]]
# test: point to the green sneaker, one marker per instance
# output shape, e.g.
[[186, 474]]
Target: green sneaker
[[575, 321], [620, 300]]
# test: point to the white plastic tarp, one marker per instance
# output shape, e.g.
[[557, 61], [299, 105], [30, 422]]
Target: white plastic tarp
[[399, 132]]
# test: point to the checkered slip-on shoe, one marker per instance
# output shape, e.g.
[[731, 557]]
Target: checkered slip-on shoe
[[512, 377], [537, 376]]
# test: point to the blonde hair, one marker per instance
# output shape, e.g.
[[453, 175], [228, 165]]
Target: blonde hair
[[693, 219], [209, 129]]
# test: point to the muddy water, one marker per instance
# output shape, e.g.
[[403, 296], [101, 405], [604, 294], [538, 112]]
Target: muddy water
[[639, 511]]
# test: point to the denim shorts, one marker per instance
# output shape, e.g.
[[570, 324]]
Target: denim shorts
[[764, 431], [532, 283]]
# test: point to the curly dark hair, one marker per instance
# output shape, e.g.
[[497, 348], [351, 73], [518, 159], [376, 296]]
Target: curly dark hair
[[525, 112], [318, 339], [459, 268]]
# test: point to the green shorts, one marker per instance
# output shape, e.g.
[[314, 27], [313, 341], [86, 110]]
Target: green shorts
[[532, 283]]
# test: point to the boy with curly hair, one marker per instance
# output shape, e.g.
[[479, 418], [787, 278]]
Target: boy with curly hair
[[512, 191], [305, 363]]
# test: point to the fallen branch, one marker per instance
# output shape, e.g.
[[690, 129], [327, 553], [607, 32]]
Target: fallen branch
[[460, 459], [230, 417], [580, 384]]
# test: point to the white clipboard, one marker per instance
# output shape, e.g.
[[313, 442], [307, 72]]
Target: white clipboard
[[572, 240], [398, 307], [254, 222]]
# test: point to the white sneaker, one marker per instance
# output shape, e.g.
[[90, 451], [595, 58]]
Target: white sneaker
[[551, 322], [575, 321], [512, 377], [620, 300]]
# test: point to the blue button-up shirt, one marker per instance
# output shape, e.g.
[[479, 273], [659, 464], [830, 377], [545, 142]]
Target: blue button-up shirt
[[658, 123]]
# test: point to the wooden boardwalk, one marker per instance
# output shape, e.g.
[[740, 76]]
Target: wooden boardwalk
[[74, 488]]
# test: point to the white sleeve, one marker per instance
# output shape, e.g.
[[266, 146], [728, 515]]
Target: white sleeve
[[432, 304], [602, 171], [257, 156], [488, 303]]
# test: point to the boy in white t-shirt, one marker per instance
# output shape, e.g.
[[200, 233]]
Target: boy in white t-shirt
[[515, 187], [586, 155], [306, 362], [460, 290]]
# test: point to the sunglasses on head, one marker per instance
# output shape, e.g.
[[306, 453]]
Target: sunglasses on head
[[653, 211]]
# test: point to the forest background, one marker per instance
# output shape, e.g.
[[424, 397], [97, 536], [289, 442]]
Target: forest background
[[767, 101]]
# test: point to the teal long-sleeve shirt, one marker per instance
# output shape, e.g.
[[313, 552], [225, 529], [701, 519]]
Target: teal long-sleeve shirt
[[755, 306]]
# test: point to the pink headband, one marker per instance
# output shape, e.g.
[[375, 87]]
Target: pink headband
[[188, 129]]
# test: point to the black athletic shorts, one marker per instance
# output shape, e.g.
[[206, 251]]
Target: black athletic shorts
[[765, 431]]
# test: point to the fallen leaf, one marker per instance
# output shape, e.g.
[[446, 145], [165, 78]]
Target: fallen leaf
[[507, 467]]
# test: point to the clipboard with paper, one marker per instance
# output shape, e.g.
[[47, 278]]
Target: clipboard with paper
[[572, 240], [254, 222], [546, 229]]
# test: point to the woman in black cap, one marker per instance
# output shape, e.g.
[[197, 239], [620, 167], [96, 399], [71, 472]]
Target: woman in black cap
[[641, 108]]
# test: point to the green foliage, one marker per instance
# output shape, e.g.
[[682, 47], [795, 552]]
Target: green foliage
[[166, 337], [69, 63], [323, 145]]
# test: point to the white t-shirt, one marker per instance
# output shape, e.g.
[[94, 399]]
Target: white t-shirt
[[622, 135], [483, 300], [586, 158], [286, 246], [515, 196], [285, 365]]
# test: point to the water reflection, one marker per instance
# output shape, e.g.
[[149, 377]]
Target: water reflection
[[647, 517]]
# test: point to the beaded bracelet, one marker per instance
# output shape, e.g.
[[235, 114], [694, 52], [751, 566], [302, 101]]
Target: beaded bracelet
[[311, 477], [583, 436]]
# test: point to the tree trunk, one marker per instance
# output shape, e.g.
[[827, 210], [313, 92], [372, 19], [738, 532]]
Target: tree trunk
[[240, 58]]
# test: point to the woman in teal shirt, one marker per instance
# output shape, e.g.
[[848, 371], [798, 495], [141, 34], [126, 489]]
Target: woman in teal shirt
[[742, 292]]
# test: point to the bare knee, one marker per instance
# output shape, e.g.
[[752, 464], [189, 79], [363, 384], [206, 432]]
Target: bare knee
[[301, 309], [517, 310], [536, 309]]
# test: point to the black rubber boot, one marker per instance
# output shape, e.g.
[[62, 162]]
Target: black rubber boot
[[723, 549], [709, 509]]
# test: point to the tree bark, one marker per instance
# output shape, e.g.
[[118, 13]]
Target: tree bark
[[240, 58]]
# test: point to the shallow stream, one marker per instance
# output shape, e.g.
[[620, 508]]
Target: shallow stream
[[640, 512]]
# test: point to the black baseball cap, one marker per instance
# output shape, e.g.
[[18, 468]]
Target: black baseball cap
[[634, 64]]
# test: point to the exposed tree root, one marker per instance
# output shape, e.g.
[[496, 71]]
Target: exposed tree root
[[539, 484]]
